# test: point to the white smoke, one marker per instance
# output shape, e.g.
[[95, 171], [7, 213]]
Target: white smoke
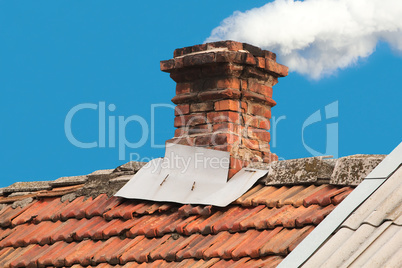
[[317, 37]]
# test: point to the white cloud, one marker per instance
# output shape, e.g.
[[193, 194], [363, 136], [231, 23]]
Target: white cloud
[[317, 37]]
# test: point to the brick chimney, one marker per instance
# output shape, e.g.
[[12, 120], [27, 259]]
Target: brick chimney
[[224, 99]]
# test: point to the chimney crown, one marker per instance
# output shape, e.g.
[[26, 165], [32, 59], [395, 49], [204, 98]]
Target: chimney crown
[[224, 99]]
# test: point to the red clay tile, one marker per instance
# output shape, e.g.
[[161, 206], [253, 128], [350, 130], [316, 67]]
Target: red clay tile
[[117, 227], [325, 199], [40, 235], [251, 246], [5, 232], [29, 257], [207, 242], [168, 250], [259, 197], [4, 253], [235, 227], [74, 209], [9, 214], [14, 255], [300, 237], [180, 226], [52, 213], [87, 227], [190, 249], [313, 198], [97, 207], [184, 210], [162, 220], [212, 250], [65, 231], [125, 210], [313, 215], [231, 217], [205, 225], [339, 198], [157, 242], [286, 196], [268, 262], [47, 257], [140, 252], [113, 257], [297, 200], [30, 213], [242, 199], [81, 253], [15, 236]]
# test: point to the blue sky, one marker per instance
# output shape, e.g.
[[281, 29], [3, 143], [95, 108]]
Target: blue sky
[[55, 55]]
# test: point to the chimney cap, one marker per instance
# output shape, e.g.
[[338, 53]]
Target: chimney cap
[[227, 45], [224, 52]]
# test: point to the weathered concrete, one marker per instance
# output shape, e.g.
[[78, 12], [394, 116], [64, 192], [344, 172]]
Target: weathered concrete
[[69, 181], [351, 170], [298, 171], [31, 186]]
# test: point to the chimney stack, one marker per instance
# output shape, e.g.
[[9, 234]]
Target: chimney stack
[[224, 99]]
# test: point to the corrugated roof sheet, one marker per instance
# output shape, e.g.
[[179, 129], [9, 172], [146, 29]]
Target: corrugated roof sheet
[[259, 229], [371, 236]]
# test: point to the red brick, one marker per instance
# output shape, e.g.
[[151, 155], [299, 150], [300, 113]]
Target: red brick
[[226, 116], [182, 109], [264, 147], [250, 59], [261, 89], [250, 95], [260, 62], [264, 123], [182, 88], [276, 68], [216, 139], [198, 48], [261, 110], [224, 139], [207, 128], [218, 94], [244, 107], [184, 98], [201, 107], [252, 144], [225, 105], [260, 134], [250, 120], [270, 157], [243, 84], [186, 74], [190, 120], [180, 132], [227, 127], [222, 83], [231, 45], [198, 59], [167, 65]]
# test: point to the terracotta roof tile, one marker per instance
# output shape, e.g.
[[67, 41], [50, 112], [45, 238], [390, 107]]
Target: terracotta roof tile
[[258, 229]]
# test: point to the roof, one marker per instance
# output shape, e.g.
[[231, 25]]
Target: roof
[[368, 232], [76, 221]]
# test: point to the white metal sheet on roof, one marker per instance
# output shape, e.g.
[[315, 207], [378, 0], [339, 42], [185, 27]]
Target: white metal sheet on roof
[[190, 175]]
